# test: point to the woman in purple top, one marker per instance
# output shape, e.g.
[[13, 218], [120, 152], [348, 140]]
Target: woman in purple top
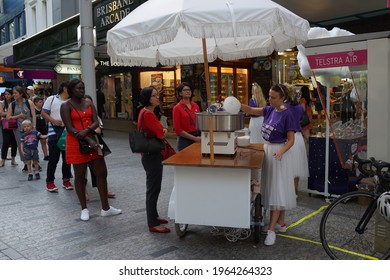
[[277, 177], [298, 151]]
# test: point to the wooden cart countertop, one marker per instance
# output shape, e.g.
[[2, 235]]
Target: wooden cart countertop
[[249, 157]]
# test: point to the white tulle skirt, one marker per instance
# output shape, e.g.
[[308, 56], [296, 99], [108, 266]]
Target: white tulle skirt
[[277, 180], [300, 165], [255, 125]]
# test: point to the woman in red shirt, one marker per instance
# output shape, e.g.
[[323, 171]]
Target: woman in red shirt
[[152, 162], [184, 118]]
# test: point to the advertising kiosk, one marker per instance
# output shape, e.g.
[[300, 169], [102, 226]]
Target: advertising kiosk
[[350, 72]]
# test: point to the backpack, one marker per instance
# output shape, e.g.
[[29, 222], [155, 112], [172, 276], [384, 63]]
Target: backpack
[[13, 103]]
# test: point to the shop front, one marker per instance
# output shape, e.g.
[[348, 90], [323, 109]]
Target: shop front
[[350, 75], [226, 79]]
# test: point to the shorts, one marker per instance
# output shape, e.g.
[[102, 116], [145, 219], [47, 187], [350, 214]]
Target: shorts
[[318, 106], [30, 154], [42, 130]]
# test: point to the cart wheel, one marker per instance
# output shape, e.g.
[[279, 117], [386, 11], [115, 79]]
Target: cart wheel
[[257, 218], [181, 229]]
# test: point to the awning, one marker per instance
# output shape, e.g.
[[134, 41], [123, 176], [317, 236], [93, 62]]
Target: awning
[[58, 44]]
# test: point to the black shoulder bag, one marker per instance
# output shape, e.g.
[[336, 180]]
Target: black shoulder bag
[[139, 143]]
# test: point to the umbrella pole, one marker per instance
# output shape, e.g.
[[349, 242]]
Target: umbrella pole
[[210, 117]]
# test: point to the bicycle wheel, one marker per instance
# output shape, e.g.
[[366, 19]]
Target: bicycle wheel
[[337, 229], [256, 218]]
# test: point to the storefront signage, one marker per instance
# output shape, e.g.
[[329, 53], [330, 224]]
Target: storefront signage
[[68, 69], [108, 13], [35, 74], [103, 62], [338, 59], [8, 61]]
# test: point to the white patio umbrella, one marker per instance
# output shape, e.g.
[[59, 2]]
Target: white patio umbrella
[[169, 32]]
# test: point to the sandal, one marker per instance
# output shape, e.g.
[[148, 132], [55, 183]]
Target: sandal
[[110, 195]]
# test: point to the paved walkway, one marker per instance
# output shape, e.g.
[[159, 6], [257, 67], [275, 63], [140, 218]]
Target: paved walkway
[[38, 225]]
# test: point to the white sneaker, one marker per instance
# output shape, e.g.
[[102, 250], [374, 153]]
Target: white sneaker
[[270, 239], [84, 215], [279, 228], [110, 212]]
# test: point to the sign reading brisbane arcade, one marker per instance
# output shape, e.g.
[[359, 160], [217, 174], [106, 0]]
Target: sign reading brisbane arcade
[[106, 14]]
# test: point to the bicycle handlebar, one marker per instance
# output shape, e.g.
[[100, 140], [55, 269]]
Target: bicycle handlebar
[[379, 166], [368, 172]]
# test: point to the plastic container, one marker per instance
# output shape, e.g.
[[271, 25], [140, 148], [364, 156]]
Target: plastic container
[[243, 141]]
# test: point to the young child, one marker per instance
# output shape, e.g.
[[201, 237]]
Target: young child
[[29, 147], [41, 125]]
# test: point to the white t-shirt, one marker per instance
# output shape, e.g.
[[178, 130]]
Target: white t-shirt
[[52, 106]]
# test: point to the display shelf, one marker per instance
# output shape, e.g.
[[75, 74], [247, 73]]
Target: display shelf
[[242, 82], [228, 83], [169, 98], [213, 87]]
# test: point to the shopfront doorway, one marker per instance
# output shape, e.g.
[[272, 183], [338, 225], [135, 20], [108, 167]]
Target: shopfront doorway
[[118, 93]]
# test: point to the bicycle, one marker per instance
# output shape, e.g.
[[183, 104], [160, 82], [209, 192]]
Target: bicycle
[[348, 226]]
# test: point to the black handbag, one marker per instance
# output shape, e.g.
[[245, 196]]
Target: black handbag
[[85, 148], [105, 149], [139, 143]]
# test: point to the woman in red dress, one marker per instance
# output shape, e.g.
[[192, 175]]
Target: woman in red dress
[[80, 119]]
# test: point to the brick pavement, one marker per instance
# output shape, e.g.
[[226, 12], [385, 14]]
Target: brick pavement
[[38, 225]]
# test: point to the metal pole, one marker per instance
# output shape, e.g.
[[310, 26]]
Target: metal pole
[[210, 117], [327, 142], [87, 49]]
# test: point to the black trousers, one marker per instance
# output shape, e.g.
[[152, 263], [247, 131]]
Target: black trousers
[[153, 167], [8, 140], [54, 157]]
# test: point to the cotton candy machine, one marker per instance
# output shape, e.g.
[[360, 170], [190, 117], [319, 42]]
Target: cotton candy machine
[[224, 127]]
